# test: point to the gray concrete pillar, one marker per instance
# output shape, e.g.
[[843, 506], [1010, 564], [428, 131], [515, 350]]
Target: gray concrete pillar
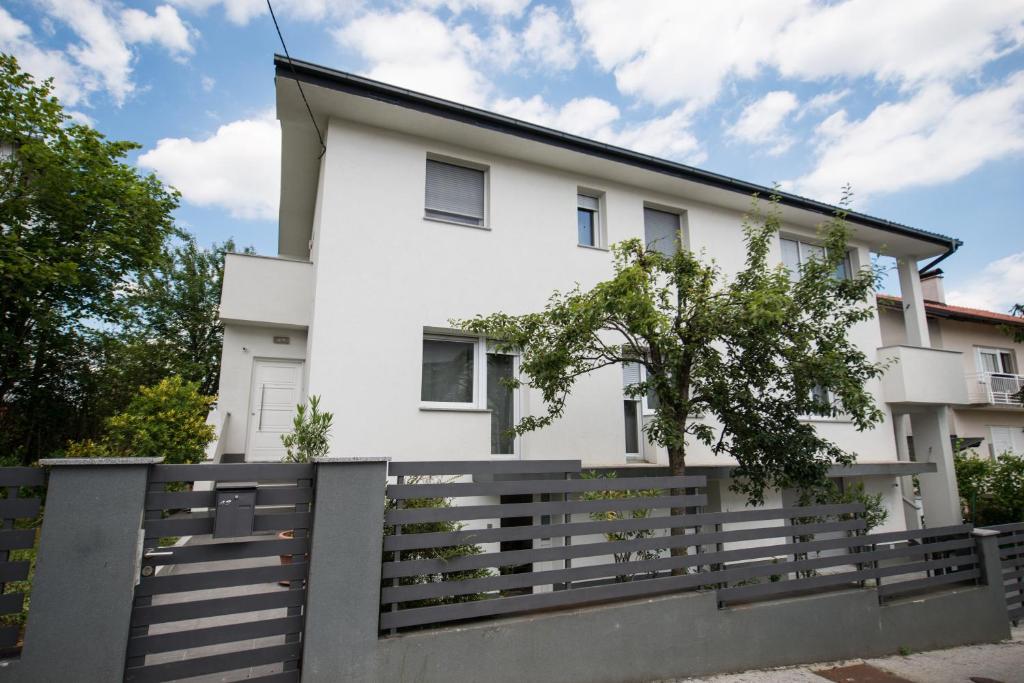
[[992, 570], [913, 303], [939, 493], [86, 567], [911, 515], [343, 594]]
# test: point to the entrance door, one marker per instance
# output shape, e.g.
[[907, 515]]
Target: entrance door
[[276, 390]]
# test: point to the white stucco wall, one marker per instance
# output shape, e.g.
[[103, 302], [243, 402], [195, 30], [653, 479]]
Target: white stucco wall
[[383, 273]]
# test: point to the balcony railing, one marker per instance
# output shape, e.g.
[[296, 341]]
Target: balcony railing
[[995, 388]]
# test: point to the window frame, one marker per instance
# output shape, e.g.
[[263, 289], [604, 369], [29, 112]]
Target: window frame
[[682, 231], [442, 216], [999, 354], [453, 405], [802, 245], [597, 215]]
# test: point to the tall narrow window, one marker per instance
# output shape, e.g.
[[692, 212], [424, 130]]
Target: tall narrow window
[[448, 371], [500, 368], [587, 220], [631, 409], [454, 193], [661, 231]]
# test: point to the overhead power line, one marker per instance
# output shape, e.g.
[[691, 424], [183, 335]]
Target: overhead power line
[[323, 147]]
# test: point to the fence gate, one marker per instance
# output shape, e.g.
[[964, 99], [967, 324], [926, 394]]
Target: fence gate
[[1011, 554], [222, 583]]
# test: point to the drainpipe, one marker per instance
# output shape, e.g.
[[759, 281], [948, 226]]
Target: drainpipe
[[953, 246]]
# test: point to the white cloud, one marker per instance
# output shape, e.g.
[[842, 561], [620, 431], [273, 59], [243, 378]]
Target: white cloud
[[241, 12], [761, 122], [238, 168], [823, 102], [164, 27], [684, 52], [599, 119], [207, 83], [418, 51], [997, 287], [68, 82], [547, 41], [495, 7], [936, 136]]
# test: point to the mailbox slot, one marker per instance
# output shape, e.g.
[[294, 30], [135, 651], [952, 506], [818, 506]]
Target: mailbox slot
[[236, 507]]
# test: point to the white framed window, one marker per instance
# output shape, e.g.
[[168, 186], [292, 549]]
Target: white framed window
[[1005, 439], [662, 231], [588, 220], [796, 253], [998, 361], [468, 373], [455, 193]]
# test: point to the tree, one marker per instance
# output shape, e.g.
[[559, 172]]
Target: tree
[[991, 489], [311, 429], [735, 363], [78, 225]]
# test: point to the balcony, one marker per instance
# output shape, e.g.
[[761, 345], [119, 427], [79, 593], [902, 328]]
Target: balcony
[[923, 376], [260, 290], [994, 389]]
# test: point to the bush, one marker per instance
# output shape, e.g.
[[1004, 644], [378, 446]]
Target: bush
[[165, 420], [310, 429], [614, 515], [991, 490]]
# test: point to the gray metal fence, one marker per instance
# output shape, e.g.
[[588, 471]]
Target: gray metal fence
[[621, 531], [15, 508], [1011, 554], [199, 606]]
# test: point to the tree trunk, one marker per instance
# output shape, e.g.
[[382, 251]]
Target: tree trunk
[[677, 468]]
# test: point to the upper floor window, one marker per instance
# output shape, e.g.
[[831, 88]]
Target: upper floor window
[[999, 361], [661, 231], [454, 193], [796, 254], [587, 220]]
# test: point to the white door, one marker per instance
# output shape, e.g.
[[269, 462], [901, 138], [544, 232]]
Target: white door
[[276, 390]]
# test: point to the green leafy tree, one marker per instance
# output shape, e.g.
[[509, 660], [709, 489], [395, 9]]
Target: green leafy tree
[[991, 489], [735, 363], [311, 429], [78, 225], [165, 420]]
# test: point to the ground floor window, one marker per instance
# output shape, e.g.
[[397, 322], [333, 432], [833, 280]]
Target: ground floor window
[[501, 402]]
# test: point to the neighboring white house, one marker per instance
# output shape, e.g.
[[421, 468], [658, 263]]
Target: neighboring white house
[[992, 420], [420, 210]]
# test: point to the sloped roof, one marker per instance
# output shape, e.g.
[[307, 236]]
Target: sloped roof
[[940, 310]]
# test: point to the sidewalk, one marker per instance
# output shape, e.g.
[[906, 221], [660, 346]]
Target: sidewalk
[[998, 663]]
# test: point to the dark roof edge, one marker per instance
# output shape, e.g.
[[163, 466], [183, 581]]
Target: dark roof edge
[[314, 74]]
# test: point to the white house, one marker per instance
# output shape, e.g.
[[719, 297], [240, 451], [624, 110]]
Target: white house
[[420, 210]]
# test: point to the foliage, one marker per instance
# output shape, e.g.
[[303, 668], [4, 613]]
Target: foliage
[[440, 553], [310, 431], [165, 420], [80, 228], [746, 352], [991, 490], [614, 515], [875, 512]]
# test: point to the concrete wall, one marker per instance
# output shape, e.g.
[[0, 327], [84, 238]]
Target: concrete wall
[[267, 291], [242, 345], [384, 273]]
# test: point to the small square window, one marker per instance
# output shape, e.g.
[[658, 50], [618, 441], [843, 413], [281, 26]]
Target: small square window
[[454, 193], [587, 220], [448, 371]]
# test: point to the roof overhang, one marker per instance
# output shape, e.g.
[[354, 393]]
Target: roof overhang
[[336, 94]]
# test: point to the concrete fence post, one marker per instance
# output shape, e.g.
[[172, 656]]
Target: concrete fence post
[[343, 594], [992, 570], [86, 567]]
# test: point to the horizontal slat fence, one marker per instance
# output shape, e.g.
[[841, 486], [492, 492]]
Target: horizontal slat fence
[[15, 510], [574, 541], [181, 585], [1011, 555]]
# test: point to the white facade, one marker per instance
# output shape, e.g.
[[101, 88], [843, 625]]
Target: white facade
[[381, 274]]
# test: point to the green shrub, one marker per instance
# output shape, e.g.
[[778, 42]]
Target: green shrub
[[310, 431], [613, 515], [165, 420], [991, 490]]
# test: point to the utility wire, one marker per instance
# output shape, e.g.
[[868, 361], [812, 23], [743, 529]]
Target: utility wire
[[323, 147]]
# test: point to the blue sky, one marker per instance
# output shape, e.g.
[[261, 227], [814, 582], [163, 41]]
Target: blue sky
[[919, 104]]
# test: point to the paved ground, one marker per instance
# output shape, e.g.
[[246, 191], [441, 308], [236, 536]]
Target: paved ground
[[999, 663]]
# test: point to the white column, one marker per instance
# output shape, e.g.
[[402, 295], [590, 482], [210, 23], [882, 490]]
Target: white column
[[939, 493], [913, 303]]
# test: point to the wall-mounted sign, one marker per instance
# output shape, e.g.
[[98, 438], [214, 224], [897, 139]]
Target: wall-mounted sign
[[282, 340]]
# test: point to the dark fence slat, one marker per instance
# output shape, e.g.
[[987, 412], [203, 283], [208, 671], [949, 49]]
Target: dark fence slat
[[18, 508], [265, 495], [249, 471], [202, 523], [781, 587], [424, 467], [22, 476], [919, 534], [9, 636], [1006, 528], [197, 666], [180, 583], [535, 486], [902, 587], [201, 637], [13, 571], [451, 514], [214, 607], [280, 677], [17, 539], [11, 603], [240, 550]]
